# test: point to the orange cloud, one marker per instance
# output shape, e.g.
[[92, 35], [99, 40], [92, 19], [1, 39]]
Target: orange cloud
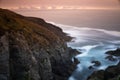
[[38, 7], [49, 7], [59, 7]]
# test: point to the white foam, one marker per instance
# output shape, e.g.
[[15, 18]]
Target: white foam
[[84, 38], [102, 67], [70, 29], [115, 41], [87, 48], [71, 78], [79, 68]]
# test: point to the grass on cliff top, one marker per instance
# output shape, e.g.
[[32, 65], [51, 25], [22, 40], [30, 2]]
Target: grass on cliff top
[[10, 21]]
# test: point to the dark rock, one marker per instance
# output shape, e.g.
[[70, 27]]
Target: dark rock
[[114, 53], [96, 63], [4, 58], [90, 67], [73, 51], [111, 73], [97, 75], [76, 60], [111, 58]]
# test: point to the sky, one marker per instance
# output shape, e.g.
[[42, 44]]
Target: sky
[[60, 3]]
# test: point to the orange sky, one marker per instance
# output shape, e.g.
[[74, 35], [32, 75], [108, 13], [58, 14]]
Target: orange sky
[[82, 3]]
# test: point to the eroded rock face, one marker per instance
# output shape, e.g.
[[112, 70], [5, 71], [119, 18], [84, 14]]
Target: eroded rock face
[[4, 58], [32, 51]]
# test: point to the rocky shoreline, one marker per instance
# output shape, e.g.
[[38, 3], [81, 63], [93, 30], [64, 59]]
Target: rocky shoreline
[[31, 49], [111, 73]]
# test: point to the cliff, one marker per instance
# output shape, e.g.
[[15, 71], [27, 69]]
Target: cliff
[[31, 49]]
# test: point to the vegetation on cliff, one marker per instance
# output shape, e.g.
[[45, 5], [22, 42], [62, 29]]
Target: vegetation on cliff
[[31, 49]]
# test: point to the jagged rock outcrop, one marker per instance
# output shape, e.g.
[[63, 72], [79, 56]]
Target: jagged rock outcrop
[[114, 53], [111, 73], [31, 49]]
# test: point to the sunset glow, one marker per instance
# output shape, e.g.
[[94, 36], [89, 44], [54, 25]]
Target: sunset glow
[[56, 8], [56, 4], [59, 7], [60, 39], [49, 7]]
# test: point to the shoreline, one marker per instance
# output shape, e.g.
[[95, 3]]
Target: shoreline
[[109, 49]]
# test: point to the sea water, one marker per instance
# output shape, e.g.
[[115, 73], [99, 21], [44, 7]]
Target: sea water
[[93, 43]]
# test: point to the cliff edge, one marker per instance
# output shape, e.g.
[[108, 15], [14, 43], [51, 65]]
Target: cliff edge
[[31, 49]]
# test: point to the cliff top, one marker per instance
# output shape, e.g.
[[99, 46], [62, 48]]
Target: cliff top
[[44, 33]]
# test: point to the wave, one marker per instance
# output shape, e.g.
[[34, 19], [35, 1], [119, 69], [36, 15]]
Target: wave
[[86, 50], [70, 29]]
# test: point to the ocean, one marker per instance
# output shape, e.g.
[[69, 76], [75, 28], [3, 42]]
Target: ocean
[[93, 43], [106, 19]]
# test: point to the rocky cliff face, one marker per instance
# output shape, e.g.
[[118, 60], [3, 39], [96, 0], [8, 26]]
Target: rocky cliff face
[[31, 49]]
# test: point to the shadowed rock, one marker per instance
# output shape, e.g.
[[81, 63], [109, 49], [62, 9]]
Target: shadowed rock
[[114, 53], [111, 58], [31, 49], [96, 63]]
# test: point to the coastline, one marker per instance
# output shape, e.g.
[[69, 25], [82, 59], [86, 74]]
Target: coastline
[[110, 73], [92, 61], [33, 49]]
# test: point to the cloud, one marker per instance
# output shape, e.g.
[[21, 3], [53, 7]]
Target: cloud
[[59, 7], [60, 2], [49, 7], [38, 7]]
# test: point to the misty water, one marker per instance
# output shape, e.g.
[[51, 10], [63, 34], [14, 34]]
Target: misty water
[[94, 32], [93, 43]]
